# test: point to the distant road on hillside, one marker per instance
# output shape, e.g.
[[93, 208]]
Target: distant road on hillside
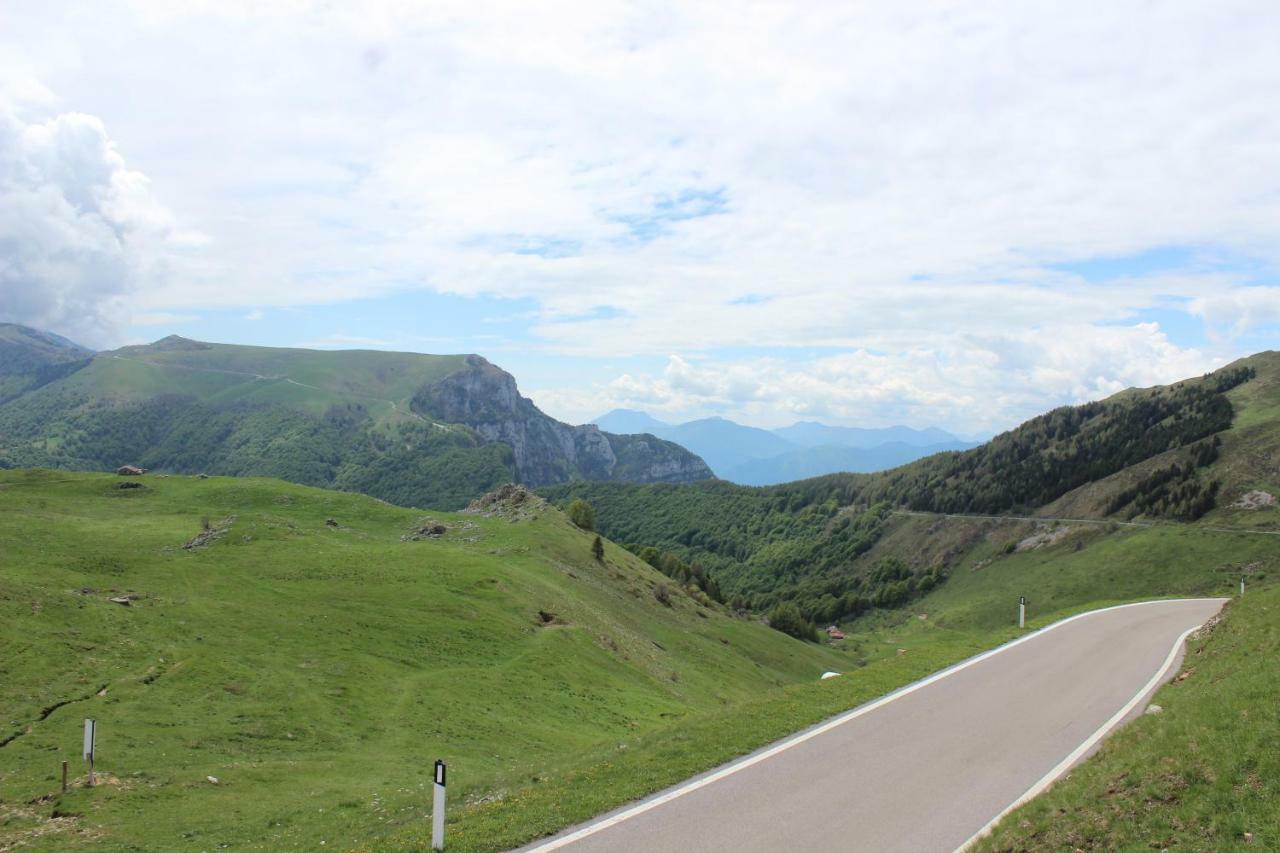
[[929, 767]]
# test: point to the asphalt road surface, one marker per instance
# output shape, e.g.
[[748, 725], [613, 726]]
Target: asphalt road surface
[[927, 768]]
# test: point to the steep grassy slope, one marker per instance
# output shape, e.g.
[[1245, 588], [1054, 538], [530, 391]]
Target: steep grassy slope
[[354, 420], [316, 669], [1204, 774]]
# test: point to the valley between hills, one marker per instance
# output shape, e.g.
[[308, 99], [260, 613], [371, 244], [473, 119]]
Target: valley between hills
[[305, 600]]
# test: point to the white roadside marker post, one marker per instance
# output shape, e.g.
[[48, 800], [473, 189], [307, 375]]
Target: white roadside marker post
[[1242, 586], [1022, 611], [90, 741], [437, 809]]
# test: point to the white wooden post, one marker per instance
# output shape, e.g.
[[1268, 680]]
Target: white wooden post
[[437, 809], [1242, 586], [90, 742], [1022, 611]]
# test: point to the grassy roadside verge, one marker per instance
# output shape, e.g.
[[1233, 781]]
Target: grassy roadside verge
[[635, 768], [1202, 775]]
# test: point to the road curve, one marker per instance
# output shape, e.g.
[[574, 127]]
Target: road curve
[[929, 767]]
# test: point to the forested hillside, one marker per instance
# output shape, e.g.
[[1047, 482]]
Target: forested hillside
[[1156, 454], [413, 429]]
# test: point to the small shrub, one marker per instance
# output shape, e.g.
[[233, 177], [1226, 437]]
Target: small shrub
[[582, 514], [663, 594], [786, 617], [597, 549]]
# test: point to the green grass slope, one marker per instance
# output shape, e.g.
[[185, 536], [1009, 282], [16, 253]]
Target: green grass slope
[[312, 380], [1204, 774], [418, 430], [315, 669]]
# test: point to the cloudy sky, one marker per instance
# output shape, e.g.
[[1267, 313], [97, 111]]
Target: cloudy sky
[[952, 214]]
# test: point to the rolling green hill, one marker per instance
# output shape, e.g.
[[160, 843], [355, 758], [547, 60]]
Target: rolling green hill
[[415, 429], [315, 651], [320, 649], [841, 545]]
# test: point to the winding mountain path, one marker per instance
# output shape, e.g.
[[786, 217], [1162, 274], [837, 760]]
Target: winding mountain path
[[932, 766]]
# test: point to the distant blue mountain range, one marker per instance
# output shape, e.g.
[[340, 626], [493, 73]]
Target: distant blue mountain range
[[760, 457]]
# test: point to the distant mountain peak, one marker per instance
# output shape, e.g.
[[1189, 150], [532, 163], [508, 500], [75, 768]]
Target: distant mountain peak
[[177, 343], [630, 422]]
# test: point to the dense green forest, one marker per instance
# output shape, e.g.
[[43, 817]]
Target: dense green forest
[[1050, 455]]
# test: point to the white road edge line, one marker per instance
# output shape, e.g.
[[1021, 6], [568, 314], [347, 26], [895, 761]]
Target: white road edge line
[[751, 760], [1052, 776]]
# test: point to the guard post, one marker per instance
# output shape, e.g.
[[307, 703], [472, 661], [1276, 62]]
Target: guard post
[[1022, 611], [90, 742], [437, 809]]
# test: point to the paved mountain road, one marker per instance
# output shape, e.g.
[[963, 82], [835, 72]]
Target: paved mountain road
[[929, 767]]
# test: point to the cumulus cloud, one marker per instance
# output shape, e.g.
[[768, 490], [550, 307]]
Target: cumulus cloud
[[80, 232], [910, 184], [967, 384], [1238, 310]]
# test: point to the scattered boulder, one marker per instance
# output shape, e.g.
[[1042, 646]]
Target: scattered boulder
[[1154, 709], [512, 502], [130, 471], [212, 780], [202, 476], [428, 528], [1256, 499], [129, 484], [125, 600], [330, 522], [827, 675], [901, 652]]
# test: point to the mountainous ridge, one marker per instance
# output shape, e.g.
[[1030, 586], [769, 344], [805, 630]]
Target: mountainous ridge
[[835, 545], [30, 358], [411, 428], [758, 457], [806, 462]]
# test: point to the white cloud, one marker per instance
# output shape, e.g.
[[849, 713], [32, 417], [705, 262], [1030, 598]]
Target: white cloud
[[1238, 310], [162, 318], [80, 233], [968, 385], [900, 181]]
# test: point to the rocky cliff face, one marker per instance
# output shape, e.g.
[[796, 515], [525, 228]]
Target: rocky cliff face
[[485, 398]]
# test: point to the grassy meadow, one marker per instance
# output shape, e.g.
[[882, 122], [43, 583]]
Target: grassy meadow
[[316, 669], [315, 661]]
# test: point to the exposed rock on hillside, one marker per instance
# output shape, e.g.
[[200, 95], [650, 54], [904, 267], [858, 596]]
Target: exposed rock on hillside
[[512, 502], [485, 398], [1257, 499]]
